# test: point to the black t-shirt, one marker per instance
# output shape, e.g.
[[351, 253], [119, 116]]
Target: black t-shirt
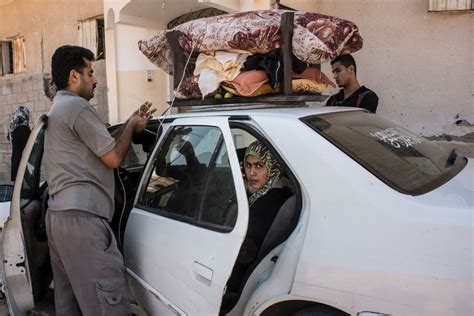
[[362, 97]]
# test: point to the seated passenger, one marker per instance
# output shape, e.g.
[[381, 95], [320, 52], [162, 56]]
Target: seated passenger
[[266, 195]]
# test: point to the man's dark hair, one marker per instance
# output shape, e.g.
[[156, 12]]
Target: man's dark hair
[[65, 59], [346, 61]]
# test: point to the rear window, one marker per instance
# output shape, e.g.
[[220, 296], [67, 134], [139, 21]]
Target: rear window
[[407, 162]]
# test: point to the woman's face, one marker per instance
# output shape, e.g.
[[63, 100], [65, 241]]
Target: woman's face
[[256, 173]]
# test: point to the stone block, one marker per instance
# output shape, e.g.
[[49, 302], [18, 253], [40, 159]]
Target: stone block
[[22, 97], [36, 106], [42, 96], [16, 87], [5, 110], [32, 95], [27, 86], [6, 89], [11, 98], [42, 106], [5, 147], [38, 82], [9, 110]]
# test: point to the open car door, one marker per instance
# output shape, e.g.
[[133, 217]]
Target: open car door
[[189, 220], [26, 268]]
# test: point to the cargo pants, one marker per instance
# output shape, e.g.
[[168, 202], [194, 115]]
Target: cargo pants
[[88, 268]]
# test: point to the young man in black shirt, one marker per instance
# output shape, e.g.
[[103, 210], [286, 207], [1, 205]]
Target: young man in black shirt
[[352, 94]]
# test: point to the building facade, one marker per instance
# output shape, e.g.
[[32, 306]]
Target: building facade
[[30, 31]]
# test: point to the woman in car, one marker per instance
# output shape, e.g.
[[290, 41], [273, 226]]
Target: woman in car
[[266, 194]]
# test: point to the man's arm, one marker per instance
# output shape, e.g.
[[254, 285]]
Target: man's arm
[[370, 102], [114, 157], [116, 134], [144, 109]]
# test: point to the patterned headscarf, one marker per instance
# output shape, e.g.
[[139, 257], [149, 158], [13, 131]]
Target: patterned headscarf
[[258, 150], [20, 117]]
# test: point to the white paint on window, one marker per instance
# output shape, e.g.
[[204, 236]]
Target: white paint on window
[[19, 54], [396, 137], [88, 35], [450, 5]]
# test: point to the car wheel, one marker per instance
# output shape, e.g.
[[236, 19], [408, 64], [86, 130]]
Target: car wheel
[[319, 310]]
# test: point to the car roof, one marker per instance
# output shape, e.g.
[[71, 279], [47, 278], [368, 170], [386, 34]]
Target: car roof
[[258, 110]]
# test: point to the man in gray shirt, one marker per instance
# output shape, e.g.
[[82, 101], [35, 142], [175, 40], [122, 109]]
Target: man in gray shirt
[[80, 155]]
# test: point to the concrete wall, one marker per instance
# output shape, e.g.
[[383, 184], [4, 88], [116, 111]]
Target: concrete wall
[[45, 25], [128, 69], [420, 64], [133, 70]]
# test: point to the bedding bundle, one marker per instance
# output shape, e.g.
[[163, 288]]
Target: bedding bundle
[[231, 45]]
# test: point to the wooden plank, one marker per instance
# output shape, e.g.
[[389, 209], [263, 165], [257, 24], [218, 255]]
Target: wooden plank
[[177, 56], [271, 99], [286, 36]]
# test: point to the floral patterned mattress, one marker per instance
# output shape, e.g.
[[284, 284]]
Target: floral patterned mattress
[[316, 38]]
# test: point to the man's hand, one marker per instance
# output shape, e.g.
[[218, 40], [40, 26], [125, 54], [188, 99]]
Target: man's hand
[[140, 117], [145, 110], [123, 136]]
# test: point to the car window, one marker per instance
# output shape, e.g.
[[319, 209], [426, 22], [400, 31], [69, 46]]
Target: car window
[[136, 157], [407, 162], [191, 179], [6, 192], [141, 145], [30, 183]]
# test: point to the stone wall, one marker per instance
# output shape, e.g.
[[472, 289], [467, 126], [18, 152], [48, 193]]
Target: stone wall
[[28, 90]]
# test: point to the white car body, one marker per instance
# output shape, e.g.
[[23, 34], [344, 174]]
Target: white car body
[[4, 212], [359, 246]]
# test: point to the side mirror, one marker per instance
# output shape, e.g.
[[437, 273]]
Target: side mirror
[[6, 192]]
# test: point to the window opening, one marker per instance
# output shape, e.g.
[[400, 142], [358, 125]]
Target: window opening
[[12, 56], [192, 180], [6, 58], [92, 36]]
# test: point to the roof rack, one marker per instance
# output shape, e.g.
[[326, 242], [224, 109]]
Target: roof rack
[[285, 97], [240, 106]]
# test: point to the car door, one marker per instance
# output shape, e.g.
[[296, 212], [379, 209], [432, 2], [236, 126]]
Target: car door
[[24, 255], [190, 217]]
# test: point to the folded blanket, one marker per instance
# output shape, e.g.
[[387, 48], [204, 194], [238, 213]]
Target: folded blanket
[[215, 67], [316, 38]]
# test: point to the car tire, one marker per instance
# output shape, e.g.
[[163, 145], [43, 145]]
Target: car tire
[[319, 310]]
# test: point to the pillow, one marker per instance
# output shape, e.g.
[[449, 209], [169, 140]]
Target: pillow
[[314, 74], [306, 86], [248, 83], [189, 89], [261, 90]]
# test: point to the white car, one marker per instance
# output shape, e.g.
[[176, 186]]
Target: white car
[[6, 191], [380, 221]]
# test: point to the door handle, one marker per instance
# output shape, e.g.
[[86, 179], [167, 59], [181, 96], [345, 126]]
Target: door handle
[[203, 273]]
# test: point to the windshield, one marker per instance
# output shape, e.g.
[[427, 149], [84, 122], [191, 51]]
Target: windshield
[[407, 162]]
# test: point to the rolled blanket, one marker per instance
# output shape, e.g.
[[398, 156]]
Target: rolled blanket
[[316, 37]]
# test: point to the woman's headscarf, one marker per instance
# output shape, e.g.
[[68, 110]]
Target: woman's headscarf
[[20, 117], [258, 150]]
